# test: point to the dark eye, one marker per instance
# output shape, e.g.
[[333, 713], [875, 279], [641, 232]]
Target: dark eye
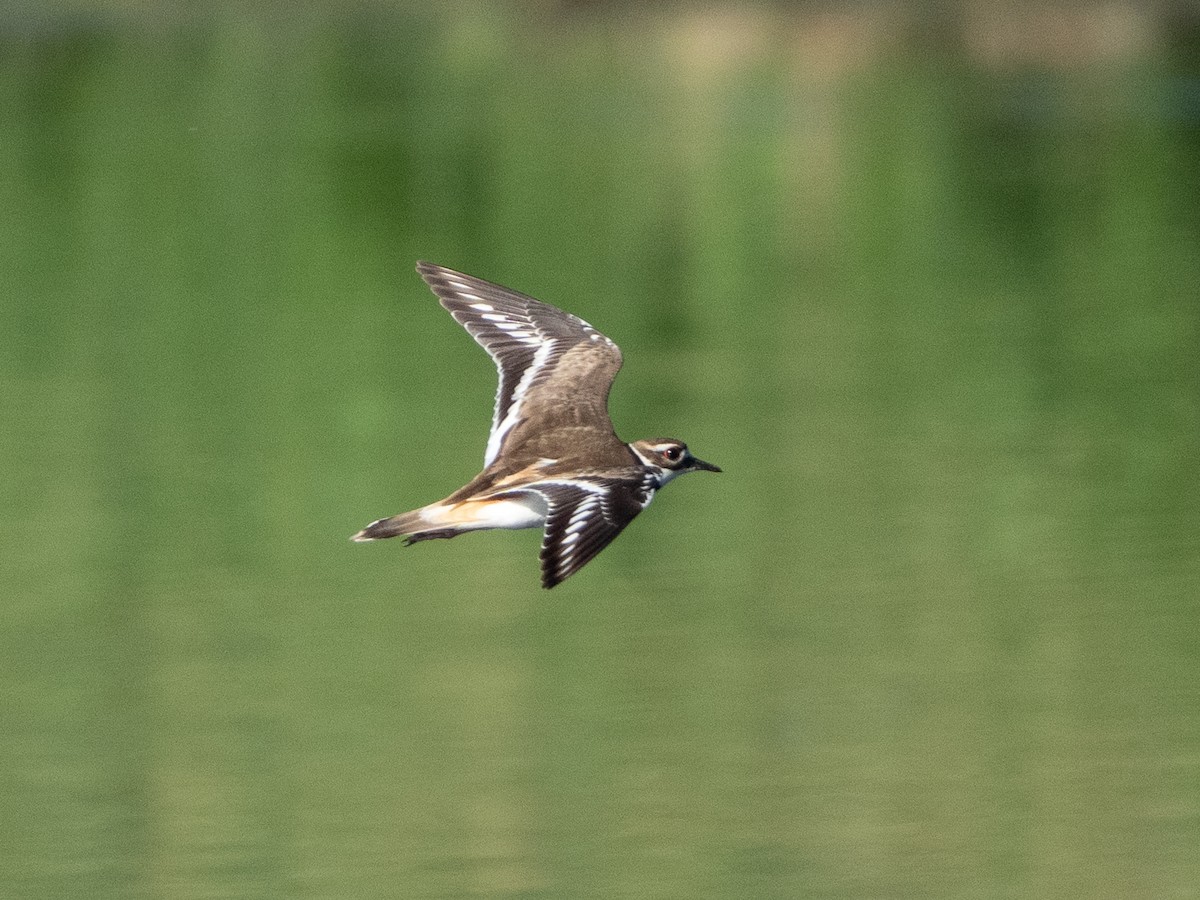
[[673, 453]]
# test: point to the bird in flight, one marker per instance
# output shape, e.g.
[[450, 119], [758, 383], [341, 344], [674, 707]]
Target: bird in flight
[[553, 460]]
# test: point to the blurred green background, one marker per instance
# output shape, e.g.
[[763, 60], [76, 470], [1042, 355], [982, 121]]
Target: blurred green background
[[921, 277]]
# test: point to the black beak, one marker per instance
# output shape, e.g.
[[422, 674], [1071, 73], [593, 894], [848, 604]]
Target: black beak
[[707, 467]]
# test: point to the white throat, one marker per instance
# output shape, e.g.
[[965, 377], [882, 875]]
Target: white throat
[[666, 475]]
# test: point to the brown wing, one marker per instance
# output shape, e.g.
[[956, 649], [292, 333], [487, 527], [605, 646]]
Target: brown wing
[[583, 518], [547, 359]]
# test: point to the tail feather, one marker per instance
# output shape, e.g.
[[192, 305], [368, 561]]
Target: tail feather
[[447, 520], [406, 524]]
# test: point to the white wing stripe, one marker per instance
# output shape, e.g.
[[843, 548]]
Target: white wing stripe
[[591, 487], [500, 429]]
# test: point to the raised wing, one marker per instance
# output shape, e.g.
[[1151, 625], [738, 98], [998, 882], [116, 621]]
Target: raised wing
[[547, 359], [584, 516]]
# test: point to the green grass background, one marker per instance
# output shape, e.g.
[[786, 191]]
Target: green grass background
[[931, 305]]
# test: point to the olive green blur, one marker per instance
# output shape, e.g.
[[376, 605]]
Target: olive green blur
[[923, 281]]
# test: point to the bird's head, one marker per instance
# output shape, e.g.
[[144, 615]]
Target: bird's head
[[671, 456]]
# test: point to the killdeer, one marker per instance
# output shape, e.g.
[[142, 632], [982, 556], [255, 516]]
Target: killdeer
[[552, 458]]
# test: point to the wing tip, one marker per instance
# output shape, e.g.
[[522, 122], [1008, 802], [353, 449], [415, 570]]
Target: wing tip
[[550, 569], [432, 272]]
